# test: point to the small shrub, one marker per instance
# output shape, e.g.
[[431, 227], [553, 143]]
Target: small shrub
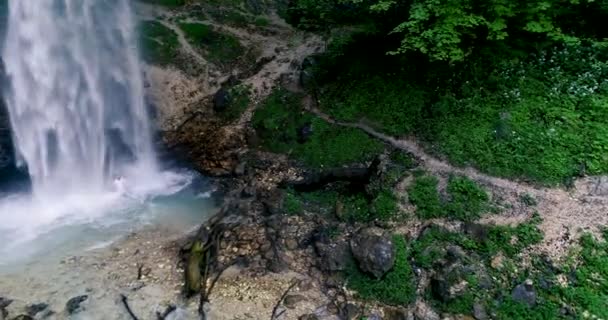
[[277, 122], [395, 288], [384, 206], [468, 200], [528, 200], [292, 203], [424, 195]]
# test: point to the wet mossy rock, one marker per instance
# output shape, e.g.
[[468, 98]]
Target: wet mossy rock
[[374, 251], [193, 269]]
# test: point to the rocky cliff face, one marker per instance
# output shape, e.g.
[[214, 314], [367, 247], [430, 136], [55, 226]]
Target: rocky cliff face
[[207, 67]]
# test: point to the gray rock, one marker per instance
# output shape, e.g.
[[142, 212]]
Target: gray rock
[[599, 186], [374, 251], [5, 302], [479, 311], [221, 100], [292, 300], [23, 317], [351, 311], [310, 316], [74, 305], [423, 311], [525, 293], [333, 256], [34, 309]]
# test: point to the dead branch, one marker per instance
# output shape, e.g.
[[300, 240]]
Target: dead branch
[[125, 302]]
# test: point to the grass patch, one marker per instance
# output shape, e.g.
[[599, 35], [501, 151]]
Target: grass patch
[[467, 199], [542, 118], [396, 288], [159, 44], [424, 195], [239, 101], [280, 117], [219, 48]]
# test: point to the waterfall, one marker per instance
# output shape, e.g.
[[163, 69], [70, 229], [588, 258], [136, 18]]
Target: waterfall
[[75, 94]]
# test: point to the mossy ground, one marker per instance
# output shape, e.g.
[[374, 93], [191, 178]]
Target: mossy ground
[[159, 44], [541, 118]]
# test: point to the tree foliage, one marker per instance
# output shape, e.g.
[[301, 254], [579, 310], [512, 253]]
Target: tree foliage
[[451, 30]]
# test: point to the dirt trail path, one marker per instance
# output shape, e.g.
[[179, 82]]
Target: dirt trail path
[[566, 214]]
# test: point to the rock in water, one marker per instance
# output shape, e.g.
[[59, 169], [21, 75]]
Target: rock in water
[[374, 251], [74, 305], [525, 293]]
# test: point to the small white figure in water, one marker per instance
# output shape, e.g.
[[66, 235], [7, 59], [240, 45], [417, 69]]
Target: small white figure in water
[[119, 184]]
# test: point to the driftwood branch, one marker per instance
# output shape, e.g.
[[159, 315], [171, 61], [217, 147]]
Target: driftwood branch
[[125, 302], [274, 314], [166, 313]]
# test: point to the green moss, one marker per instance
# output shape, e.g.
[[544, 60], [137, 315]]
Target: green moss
[[159, 43], [277, 122], [468, 200], [395, 288], [239, 101], [219, 48], [292, 203], [424, 195], [384, 205]]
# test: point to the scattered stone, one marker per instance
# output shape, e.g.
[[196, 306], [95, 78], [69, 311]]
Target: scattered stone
[[446, 288], [23, 317], [291, 244], [525, 293], [34, 309], [374, 251], [456, 253], [351, 311], [479, 311], [395, 314], [374, 316], [422, 311], [74, 305], [498, 261], [310, 316], [334, 256], [599, 186], [292, 300]]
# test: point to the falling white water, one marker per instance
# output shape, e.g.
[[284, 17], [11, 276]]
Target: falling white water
[[75, 98], [76, 95]]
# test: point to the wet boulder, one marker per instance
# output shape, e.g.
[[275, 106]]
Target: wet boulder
[[374, 251]]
